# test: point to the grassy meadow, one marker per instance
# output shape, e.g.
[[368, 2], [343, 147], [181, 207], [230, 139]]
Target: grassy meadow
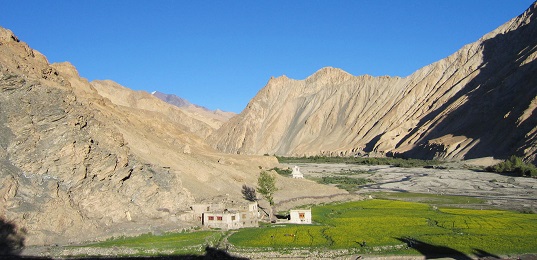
[[376, 226]]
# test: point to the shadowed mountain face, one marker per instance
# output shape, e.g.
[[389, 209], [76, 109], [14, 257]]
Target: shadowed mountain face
[[477, 102]]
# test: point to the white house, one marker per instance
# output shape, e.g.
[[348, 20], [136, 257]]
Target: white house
[[300, 216], [296, 173]]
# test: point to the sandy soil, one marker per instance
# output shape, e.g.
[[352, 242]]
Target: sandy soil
[[501, 191]]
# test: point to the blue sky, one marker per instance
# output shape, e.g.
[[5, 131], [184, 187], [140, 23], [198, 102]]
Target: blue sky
[[219, 54]]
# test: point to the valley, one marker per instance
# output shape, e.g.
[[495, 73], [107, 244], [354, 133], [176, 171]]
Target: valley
[[92, 164]]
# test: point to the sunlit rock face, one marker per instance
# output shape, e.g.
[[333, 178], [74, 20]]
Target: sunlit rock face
[[477, 102], [78, 162]]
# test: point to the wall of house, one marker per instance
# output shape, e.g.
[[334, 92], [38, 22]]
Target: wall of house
[[224, 220], [300, 216]]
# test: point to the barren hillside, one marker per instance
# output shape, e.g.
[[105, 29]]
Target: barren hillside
[[81, 161], [478, 102], [201, 124]]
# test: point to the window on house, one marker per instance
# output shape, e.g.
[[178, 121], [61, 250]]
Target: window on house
[[219, 218], [211, 218], [301, 215], [243, 215], [232, 217]]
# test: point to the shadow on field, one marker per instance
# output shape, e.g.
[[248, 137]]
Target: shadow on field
[[483, 254], [210, 253], [432, 251]]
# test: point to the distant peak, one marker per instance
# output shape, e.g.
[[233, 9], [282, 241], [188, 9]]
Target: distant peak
[[329, 72]]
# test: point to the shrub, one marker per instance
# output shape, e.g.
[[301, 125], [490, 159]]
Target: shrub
[[283, 172], [514, 165], [343, 182]]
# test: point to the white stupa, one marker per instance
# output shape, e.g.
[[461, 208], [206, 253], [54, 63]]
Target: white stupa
[[297, 174]]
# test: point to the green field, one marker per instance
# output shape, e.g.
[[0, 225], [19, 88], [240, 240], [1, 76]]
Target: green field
[[377, 226], [387, 226]]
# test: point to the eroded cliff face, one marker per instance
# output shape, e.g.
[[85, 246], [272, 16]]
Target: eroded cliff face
[[74, 166], [66, 171], [83, 161], [477, 102]]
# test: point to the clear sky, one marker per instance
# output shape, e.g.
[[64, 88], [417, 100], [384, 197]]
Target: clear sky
[[219, 54]]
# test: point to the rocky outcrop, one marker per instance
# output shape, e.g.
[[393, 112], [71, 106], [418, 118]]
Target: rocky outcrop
[[75, 166], [66, 172], [85, 161], [477, 102]]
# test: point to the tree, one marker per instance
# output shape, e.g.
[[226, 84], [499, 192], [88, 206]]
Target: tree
[[248, 193], [267, 186]]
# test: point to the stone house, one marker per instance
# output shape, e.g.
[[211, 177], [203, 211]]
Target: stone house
[[227, 215], [300, 216]]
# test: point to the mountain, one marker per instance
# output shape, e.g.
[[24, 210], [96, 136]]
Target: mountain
[[478, 102], [86, 160], [200, 125], [184, 104], [173, 99]]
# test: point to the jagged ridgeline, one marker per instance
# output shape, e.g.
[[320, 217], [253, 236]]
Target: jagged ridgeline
[[478, 102]]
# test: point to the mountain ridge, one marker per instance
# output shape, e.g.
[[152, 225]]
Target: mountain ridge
[[334, 113]]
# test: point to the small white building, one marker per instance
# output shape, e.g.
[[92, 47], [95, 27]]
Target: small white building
[[300, 216], [296, 173]]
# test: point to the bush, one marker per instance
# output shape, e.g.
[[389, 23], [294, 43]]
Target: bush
[[343, 182], [283, 172], [514, 165]]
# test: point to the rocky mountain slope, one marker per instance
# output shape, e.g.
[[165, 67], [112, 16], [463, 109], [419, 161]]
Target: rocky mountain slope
[[478, 102], [83, 161], [201, 124]]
